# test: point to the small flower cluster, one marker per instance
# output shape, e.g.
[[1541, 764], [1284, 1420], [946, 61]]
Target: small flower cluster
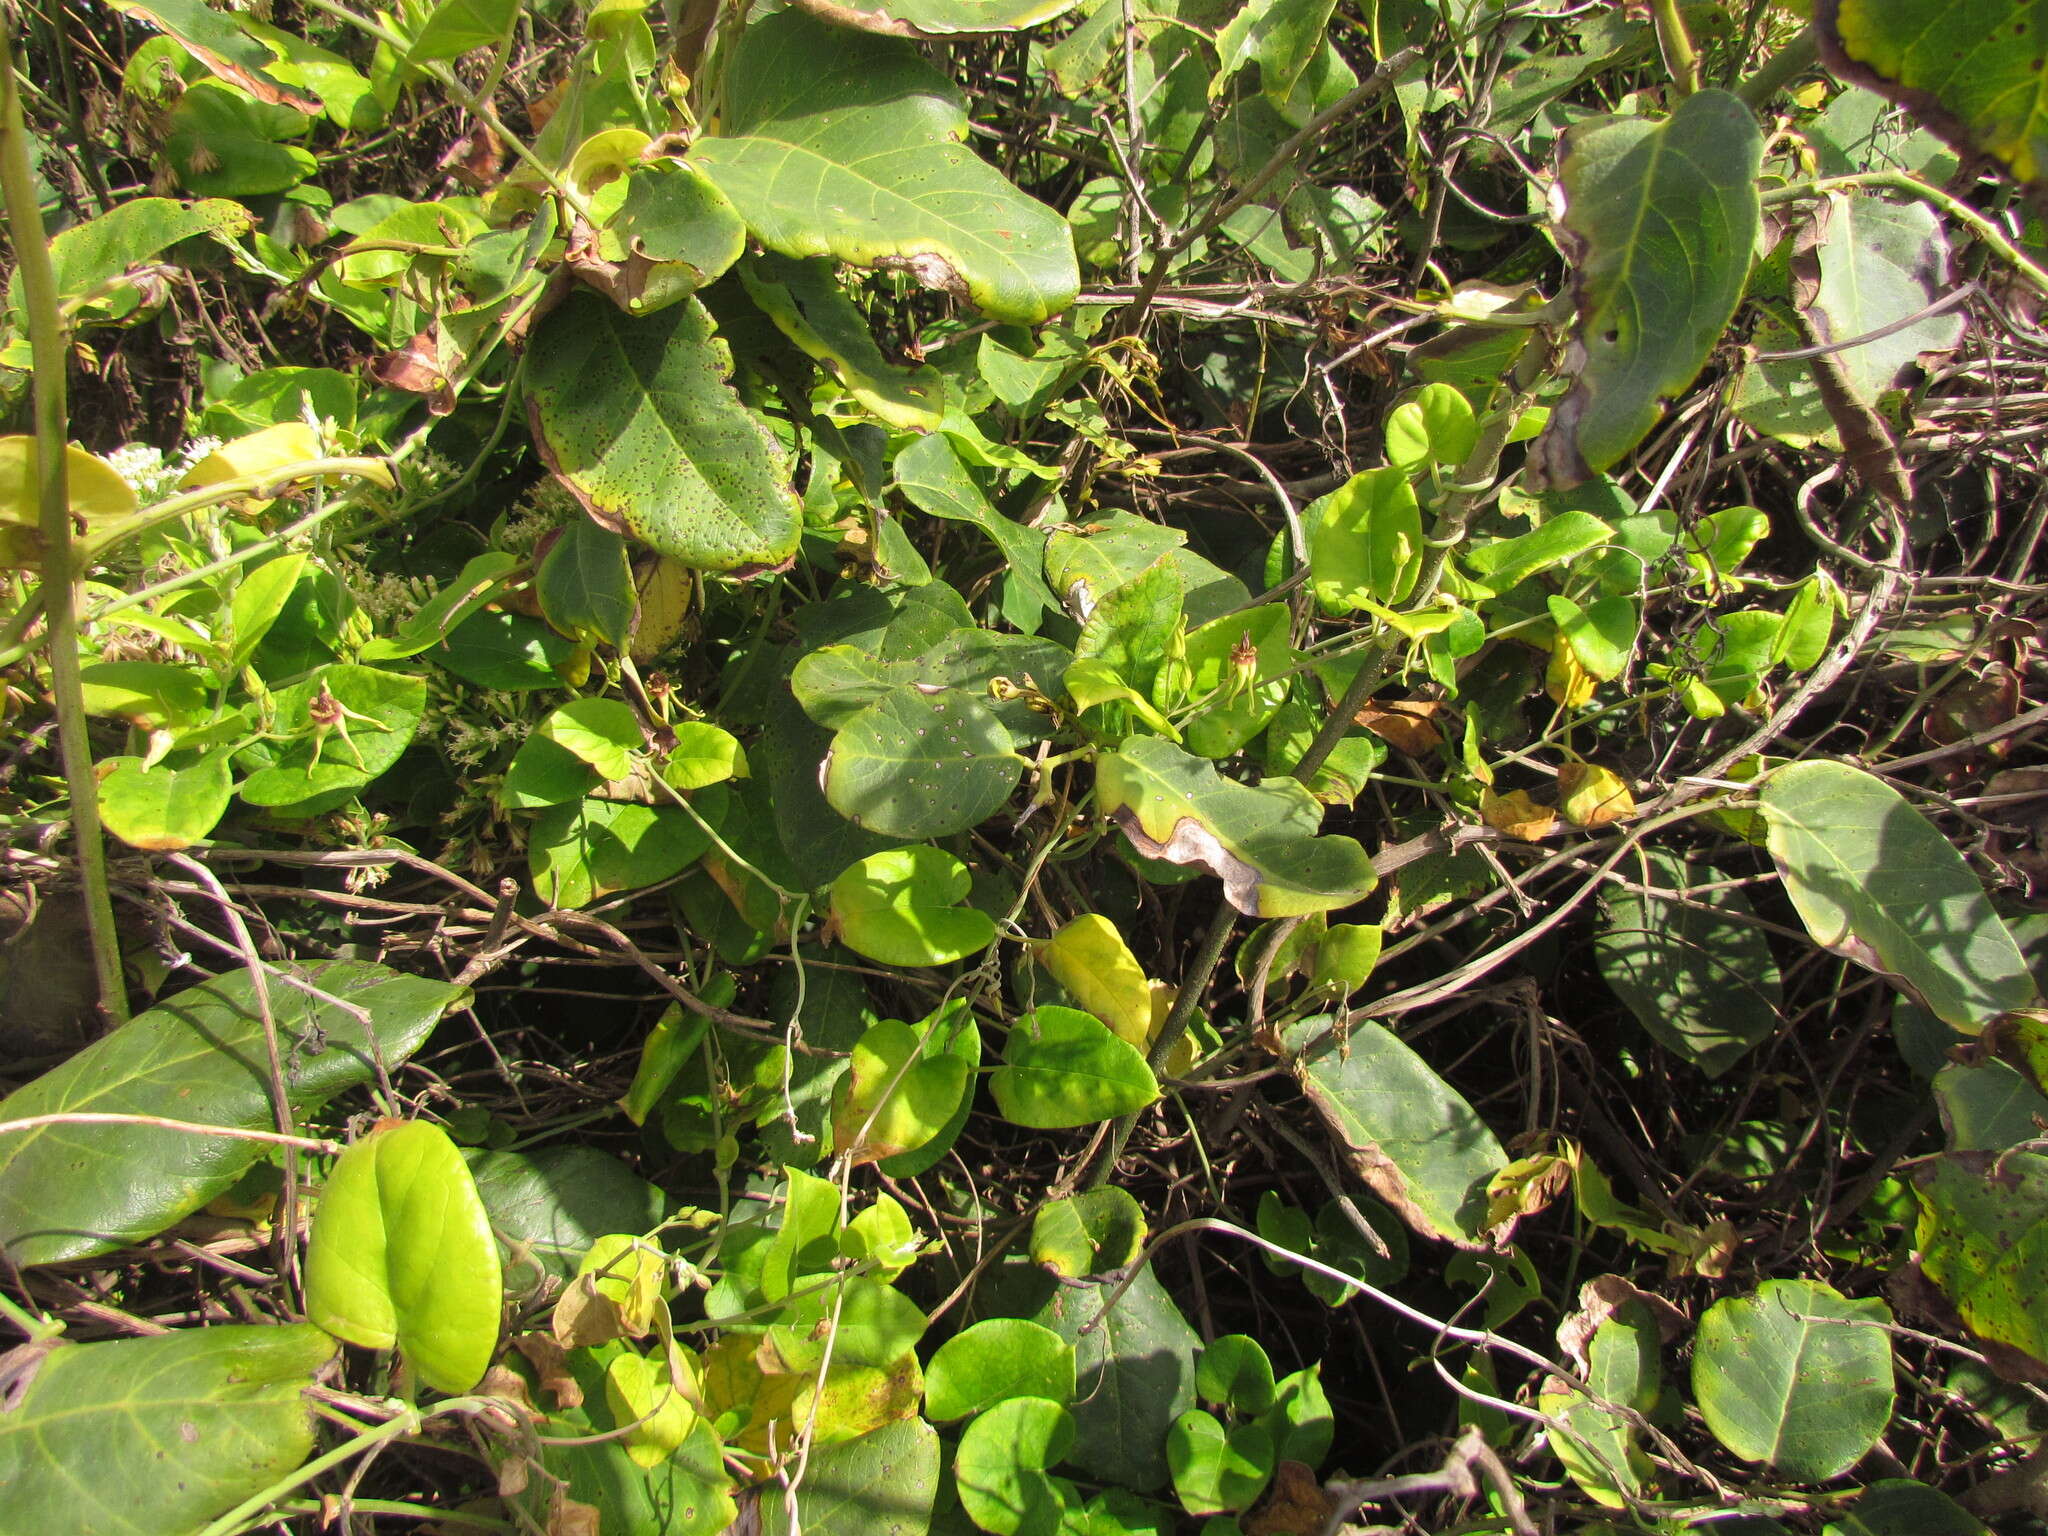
[[153, 474]]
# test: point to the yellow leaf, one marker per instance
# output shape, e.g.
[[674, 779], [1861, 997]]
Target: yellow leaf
[[96, 492], [1591, 796], [1089, 958], [1568, 683], [260, 453], [1518, 815]]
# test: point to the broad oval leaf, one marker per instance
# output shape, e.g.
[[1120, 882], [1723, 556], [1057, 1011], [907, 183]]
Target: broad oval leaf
[[1660, 220], [1215, 1469], [1875, 880], [1898, 1506], [1704, 983], [882, 1484], [1260, 840], [591, 848], [1404, 1130], [1364, 541], [895, 1097], [846, 145], [636, 417], [401, 1253], [378, 712], [997, 1359], [74, 1191], [916, 764], [164, 807], [140, 1437], [1062, 1068], [1970, 72], [1797, 1377], [902, 907], [1000, 1467]]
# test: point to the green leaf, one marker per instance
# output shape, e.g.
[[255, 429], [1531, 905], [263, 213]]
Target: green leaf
[[585, 585], [1660, 220], [1598, 1442], [846, 145], [1405, 1131], [1702, 982], [150, 695], [506, 652], [896, 1097], [704, 754], [1364, 541], [929, 470], [1898, 1506], [902, 907], [585, 743], [674, 217], [549, 1205], [1986, 1106], [1235, 1372], [1971, 72], [1238, 710], [455, 27], [1216, 1470], [1281, 36], [1260, 840], [1137, 1375], [1507, 563], [1602, 635], [315, 765], [215, 39], [945, 18], [157, 1436], [1063, 1068], [401, 1253], [1874, 880], [809, 307], [997, 1359], [1091, 1233], [222, 143], [479, 581], [589, 848], [915, 764], [1796, 1377], [1300, 1420], [258, 600], [882, 1484], [1000, 1467], [75, 1191], [1982, 1240], [636, 417], [164, 808], [1436, 427]]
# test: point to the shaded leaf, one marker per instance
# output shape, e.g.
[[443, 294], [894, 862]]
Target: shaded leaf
[[1874, 879], [996, 1359], [1403, 1129]]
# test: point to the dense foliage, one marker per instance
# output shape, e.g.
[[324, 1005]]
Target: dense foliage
[[1023, 766]]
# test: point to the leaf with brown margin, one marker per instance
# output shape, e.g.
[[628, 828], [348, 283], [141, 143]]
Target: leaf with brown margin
[[1260, 840], [212, 38], [1406, 1132]]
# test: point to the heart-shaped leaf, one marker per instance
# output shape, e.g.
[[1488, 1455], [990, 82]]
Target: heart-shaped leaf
[[997, 1359], [636, 417], [401, 1254], [1091, 1233], [1216, 1470], [345, 725], [165, 807], [895, 1098], [1983, 1247], [590, 848], [902, 907], [846, 145], [1000, 1466], [74, 1191]]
